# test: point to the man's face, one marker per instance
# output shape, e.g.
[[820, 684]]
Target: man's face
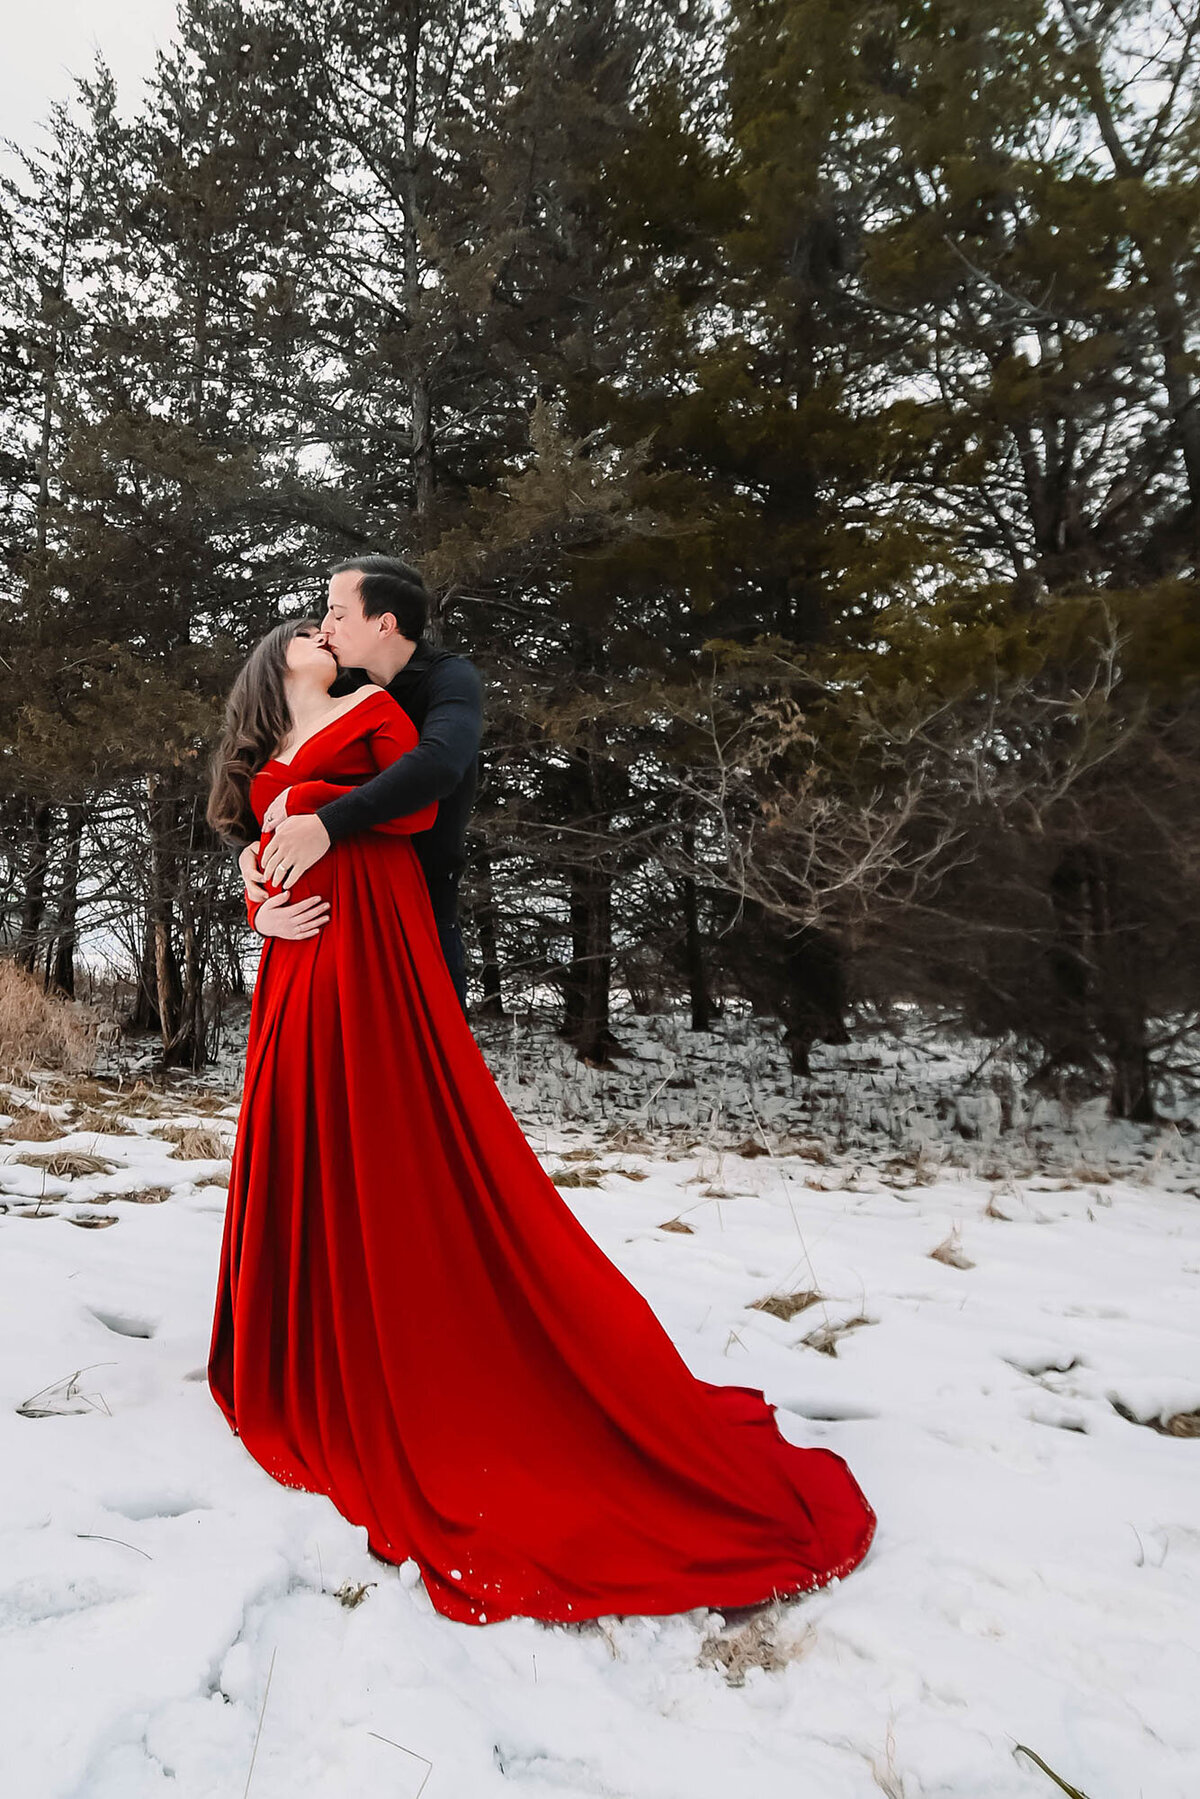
[[345, 630]]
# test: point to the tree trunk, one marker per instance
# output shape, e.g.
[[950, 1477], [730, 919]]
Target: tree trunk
[[1131, 1094], [177, 896], [693, 947], [492, 1004], [33, 899], [168, 983], [1098, 976], [60, 966], [144, 1013], [814, 995], [590, 973]]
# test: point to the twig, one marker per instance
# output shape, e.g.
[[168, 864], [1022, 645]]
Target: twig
[[1071, 1792], [404, 1751], [92, 1536], [262, 1714]]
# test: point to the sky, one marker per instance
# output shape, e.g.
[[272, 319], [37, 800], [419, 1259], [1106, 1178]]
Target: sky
[[48, 41]]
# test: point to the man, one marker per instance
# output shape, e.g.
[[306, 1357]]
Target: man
[[374, 625]]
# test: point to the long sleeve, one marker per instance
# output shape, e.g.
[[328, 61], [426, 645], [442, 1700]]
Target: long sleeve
[[307, 796], [411, 782]]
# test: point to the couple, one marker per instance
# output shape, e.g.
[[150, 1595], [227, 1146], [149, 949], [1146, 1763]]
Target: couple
[[409, 1318]]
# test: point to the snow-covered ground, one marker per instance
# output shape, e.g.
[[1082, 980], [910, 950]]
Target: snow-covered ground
[[1015, 1407]]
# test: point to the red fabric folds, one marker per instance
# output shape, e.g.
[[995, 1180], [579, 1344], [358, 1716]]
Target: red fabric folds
[[411, 1320]]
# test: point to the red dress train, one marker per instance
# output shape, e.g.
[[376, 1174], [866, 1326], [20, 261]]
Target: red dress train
[[411, 1320]]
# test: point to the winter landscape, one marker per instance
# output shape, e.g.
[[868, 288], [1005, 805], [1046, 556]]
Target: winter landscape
[[987, 1303], [781, 423]]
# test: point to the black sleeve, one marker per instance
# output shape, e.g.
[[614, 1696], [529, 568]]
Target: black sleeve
[[448, 745]]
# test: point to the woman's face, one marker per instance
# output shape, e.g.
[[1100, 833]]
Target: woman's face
[[308, 656]]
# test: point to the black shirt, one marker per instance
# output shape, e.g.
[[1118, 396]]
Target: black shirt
[[443, 695]]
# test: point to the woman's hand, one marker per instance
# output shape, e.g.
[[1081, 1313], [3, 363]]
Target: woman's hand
[[277, 811], [276, 917], [251, 873]]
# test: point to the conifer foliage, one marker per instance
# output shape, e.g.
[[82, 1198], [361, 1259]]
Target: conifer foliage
[[793, 408]]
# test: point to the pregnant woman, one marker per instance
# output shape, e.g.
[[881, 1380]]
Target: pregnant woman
[[409, 1317]]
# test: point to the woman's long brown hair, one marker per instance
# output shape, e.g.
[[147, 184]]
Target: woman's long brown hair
[[256, 720]]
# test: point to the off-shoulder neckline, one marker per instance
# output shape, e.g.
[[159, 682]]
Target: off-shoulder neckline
[[347, 712]]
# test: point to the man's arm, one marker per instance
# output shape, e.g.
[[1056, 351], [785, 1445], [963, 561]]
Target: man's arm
[[449, 744]]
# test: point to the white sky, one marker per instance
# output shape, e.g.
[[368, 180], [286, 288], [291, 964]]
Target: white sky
[[45, 42]]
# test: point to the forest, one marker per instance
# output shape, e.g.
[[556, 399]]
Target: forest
[[794, 410]]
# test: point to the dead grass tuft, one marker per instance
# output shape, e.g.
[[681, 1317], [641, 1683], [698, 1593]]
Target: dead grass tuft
[[1179, 1424], [99, 1124], [590, 1176], [144, 1101], [351, 1595], [39, 1031], [1085, 1175], [785, 1305], [86, 1092], [630, 1141], [34, 1124], [677, 1224], [145, 1196], [755, 1644], [950, 1251], [68, 1164], [826, 1337], [196, 1142]]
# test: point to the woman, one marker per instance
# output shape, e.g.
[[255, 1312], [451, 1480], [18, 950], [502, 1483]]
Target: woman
[[410, 1319]]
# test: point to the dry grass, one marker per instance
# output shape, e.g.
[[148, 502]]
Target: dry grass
[[785, 1305], [950, 1251], [992, 1210], [68, 1164], [590, 1176], [144, 1101], [145, 1196], [757, 1643], [39, 1031], [677, 1224], [1084, 1174], [197, 1142], [1179, 1424], [631, 1142], [86, 1092], [826, 1337], [350, 1594], [34, 1124], [99, 1124]]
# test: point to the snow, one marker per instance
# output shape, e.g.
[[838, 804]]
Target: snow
[[174, 1623]]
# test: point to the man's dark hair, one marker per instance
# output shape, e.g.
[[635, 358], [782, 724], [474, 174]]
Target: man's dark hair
[[389, 585]]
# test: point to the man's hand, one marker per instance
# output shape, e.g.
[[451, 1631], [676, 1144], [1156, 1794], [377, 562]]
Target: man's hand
[[296, 845], [252, 873], [276, 918]]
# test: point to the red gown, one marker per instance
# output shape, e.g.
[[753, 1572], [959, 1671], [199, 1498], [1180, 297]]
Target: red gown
[[411, 1320]]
